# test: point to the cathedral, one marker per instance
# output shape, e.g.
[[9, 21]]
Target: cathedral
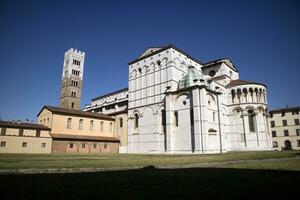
[[175, 104]]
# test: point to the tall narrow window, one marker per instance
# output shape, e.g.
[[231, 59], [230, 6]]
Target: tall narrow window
[[91, 125], [176, 118], [21, 132], [80, 124], [163, 120], [251, 117], [286, 132], [38, 133], [121, 122], [3, 131], [69, 123], [110, 127], [192, 116], [101, 126], [284, 122], [296, 121], [136, 120], [214, 116], [72, 106], [272, 123]]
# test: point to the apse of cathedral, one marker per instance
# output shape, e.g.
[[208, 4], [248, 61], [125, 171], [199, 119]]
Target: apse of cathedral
[[176, 104]]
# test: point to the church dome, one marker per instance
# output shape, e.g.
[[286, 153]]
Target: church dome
[[190, 78]]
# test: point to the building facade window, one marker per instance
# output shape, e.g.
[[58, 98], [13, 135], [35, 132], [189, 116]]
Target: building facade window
[[282, 114], [251, 118], [83, 146], [176, 118], [91, 125], [286, 132], [296, 121], [21, 132], [284, 122], [2, 144], [69, 123], [94, 146], [3, 131], [272, 123], [163, 120], [110, 127], [101, 126], [136, 120], [274, 134], [71, 145], [80, 124], [24, 144], [105, 146], [296, 112], [298, 143], [43, 145], [121, 122], [275, 144], [38, 133], [298, 132]]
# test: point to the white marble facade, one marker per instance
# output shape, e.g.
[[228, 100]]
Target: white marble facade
[[179, 105]]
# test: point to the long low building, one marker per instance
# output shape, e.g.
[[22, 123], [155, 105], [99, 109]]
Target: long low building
[[76, 131], [17, 137]]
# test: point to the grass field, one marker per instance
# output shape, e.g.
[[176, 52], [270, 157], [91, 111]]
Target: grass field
[[248, 175], [57, 161]]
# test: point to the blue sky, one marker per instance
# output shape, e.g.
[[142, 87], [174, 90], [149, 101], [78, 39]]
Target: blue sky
[[261, 38]]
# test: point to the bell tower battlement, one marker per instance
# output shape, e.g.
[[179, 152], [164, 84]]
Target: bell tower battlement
[[72, 76]]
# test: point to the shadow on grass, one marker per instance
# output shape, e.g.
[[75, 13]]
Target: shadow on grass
[[152, 183]]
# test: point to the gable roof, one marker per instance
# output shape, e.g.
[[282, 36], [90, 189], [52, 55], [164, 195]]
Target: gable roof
[[241, 82], [227, 61], [10, 124], [111, 93], [142, 56], [73, 112]]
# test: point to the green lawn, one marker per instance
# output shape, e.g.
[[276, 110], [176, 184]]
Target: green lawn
[[248, 175], [56, 161]]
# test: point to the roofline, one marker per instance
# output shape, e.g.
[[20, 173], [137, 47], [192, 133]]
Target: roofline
[[295, 108], [163, 49], [221, 60], [111, 93], [75, 114], [255, 83], [24, 126]]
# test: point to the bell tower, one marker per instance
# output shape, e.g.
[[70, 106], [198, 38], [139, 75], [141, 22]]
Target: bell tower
[[72, 75]]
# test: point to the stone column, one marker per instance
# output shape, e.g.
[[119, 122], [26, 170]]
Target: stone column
[[197, 120], [169, 124]]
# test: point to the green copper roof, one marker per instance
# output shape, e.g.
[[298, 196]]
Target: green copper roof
[[190, 78]]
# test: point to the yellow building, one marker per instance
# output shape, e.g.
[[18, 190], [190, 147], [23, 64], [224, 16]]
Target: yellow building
[[285, 128], [17, 137], [76, 131]]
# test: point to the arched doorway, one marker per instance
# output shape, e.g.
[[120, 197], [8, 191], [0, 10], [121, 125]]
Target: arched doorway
[[287, 145]]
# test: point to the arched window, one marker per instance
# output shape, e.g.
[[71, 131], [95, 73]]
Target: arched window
[[121, 122], [80, 124], [101, 126], [136, 120], [251, 117], [72, 106], [176, 118], [110, 127], [91, 125], [69, 123]]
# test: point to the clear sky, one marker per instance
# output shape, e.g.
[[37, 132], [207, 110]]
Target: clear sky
[[262, 38]]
